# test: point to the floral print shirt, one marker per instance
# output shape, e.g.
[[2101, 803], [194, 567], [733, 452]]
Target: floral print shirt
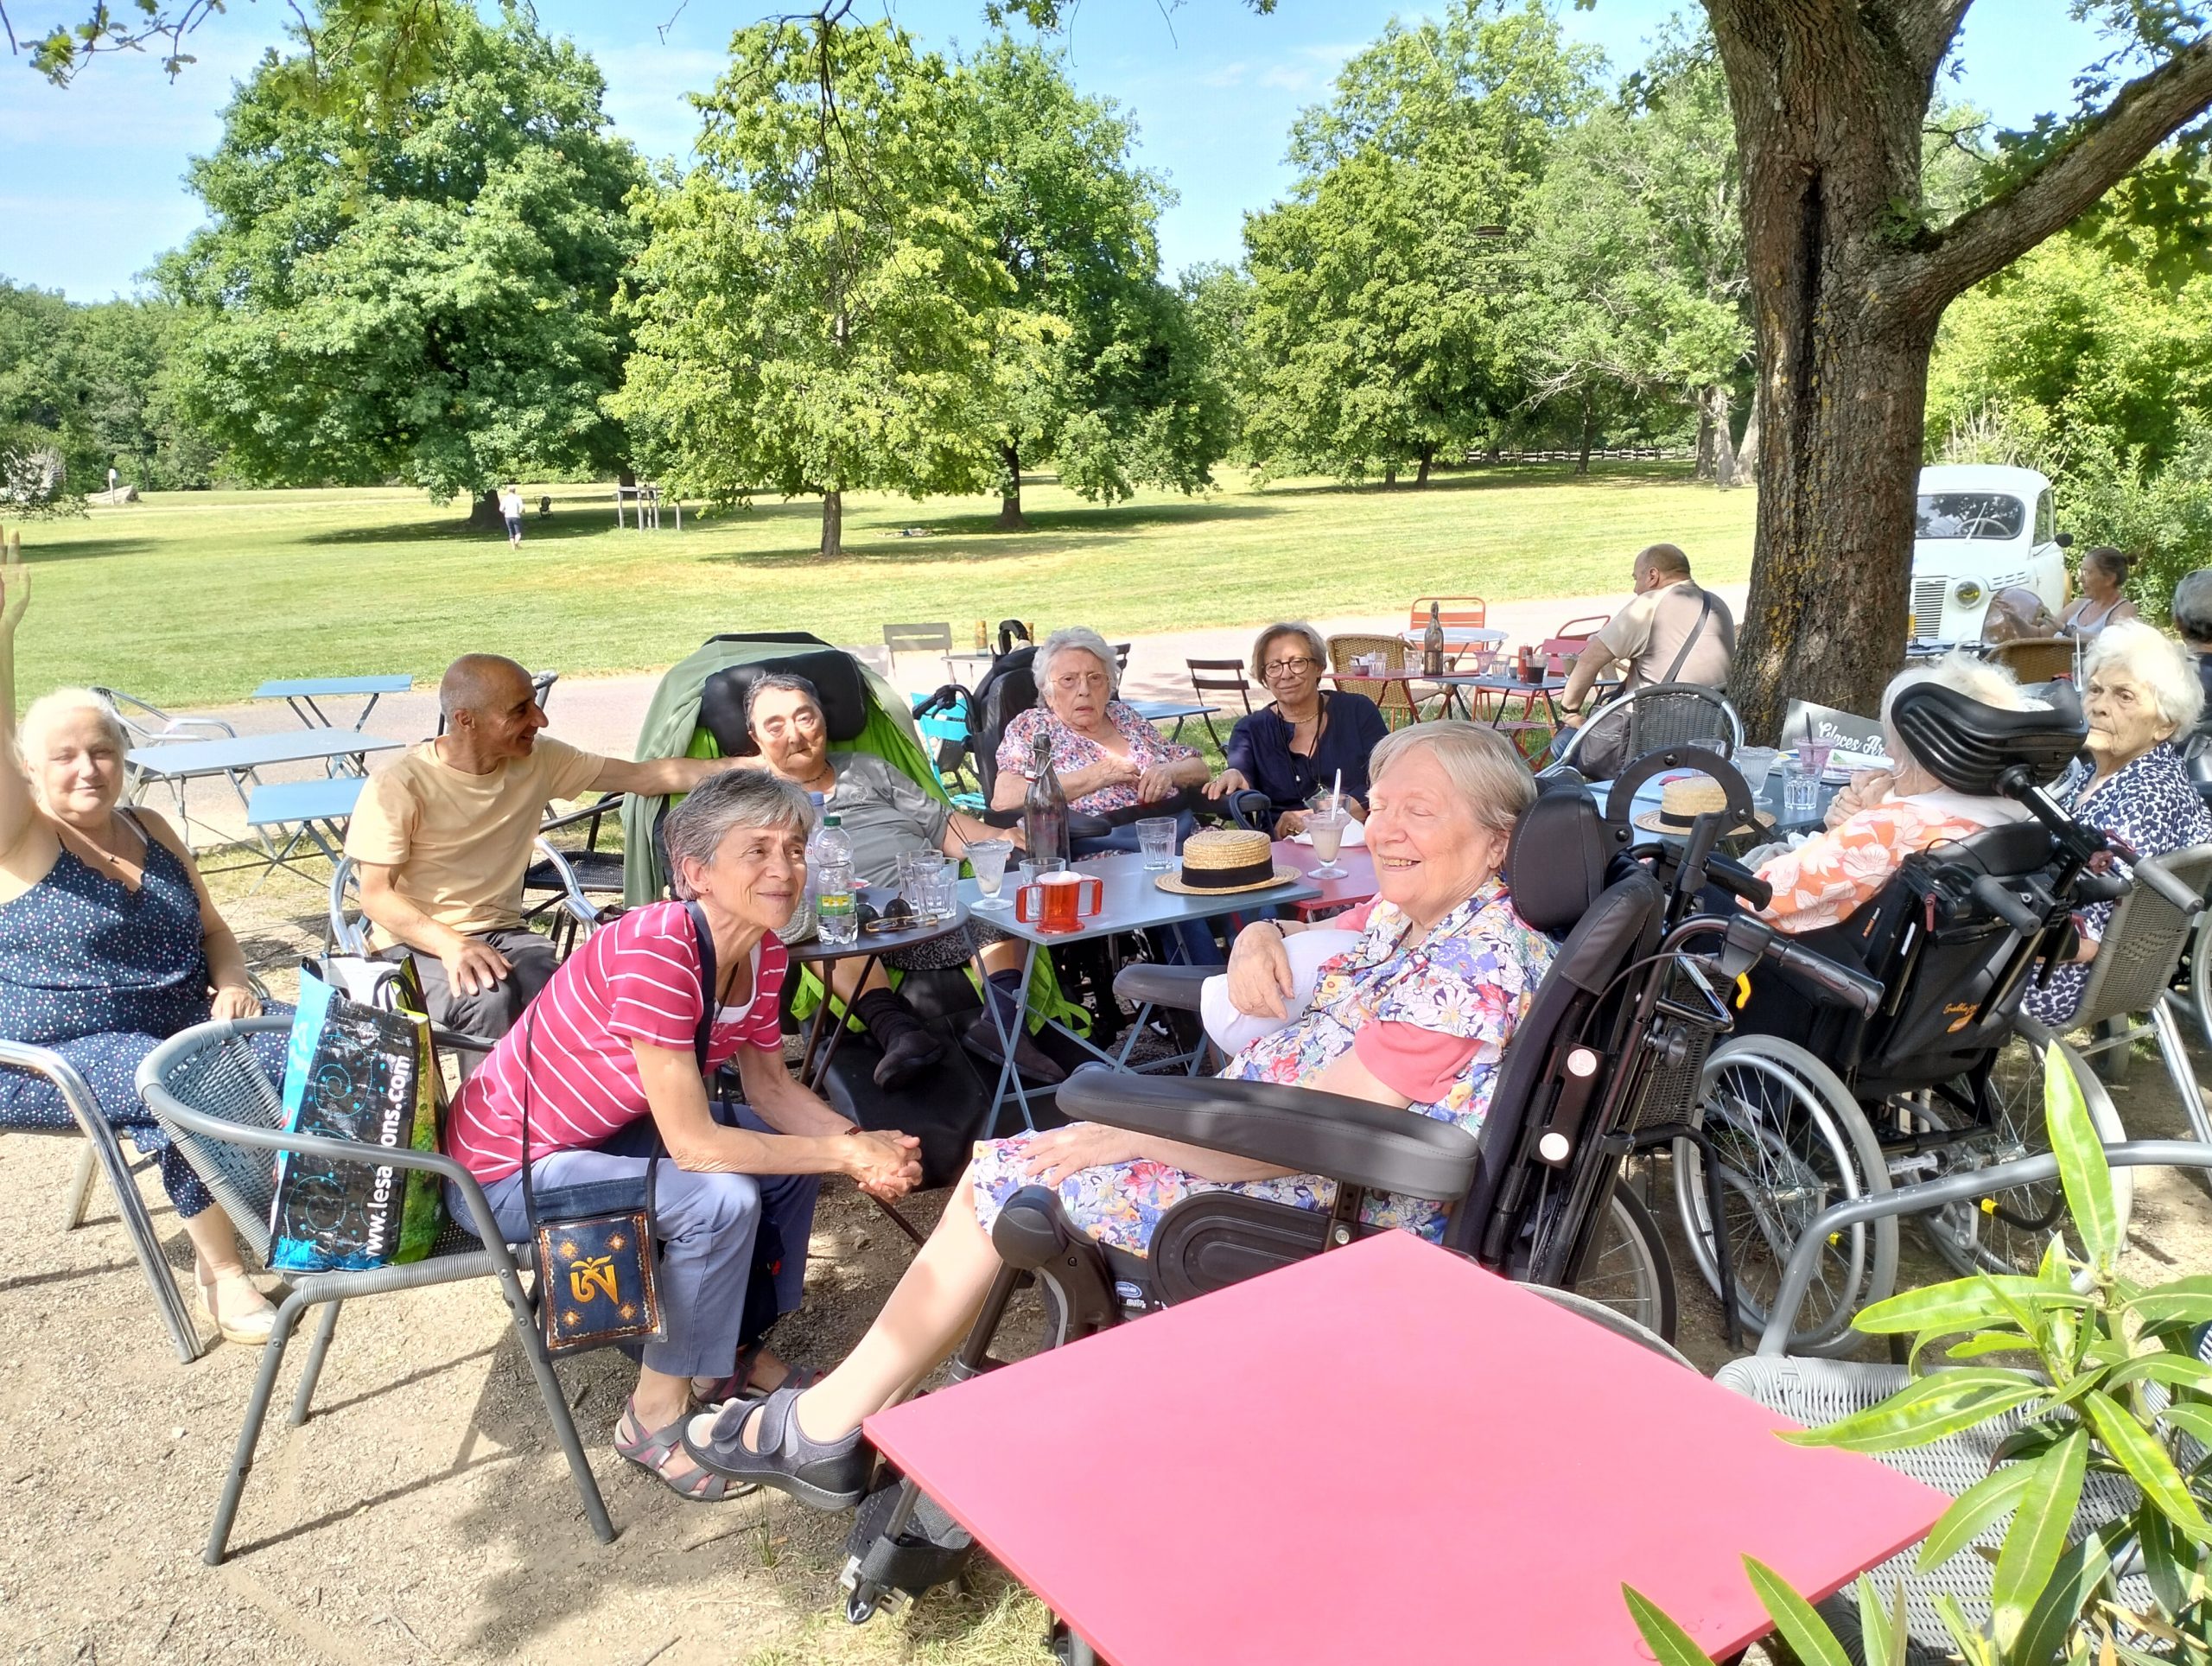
[[1072, 752], [2150, 805], [1472, 978], [1824, 879]]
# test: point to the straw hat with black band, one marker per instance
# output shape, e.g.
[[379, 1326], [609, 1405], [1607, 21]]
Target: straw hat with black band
[[1682, 800], [1226, 859]]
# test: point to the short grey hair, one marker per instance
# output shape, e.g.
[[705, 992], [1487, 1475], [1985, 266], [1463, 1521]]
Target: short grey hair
[[724, 802], [2155, 659], [1960, 671], [1477, 760], [50, 709], [1306, 634], [2192, 607], [1076, 639], [789, 682]]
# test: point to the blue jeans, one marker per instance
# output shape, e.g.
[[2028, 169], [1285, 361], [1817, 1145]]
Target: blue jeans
[[707, 1225]]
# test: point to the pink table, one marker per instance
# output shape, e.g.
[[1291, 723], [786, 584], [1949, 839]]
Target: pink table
[[1387, 1454], [1357, 886]]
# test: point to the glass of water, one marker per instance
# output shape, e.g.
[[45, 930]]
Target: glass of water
[[1156, 839], [989, 858], [922, 881], [1801, 795], [1755, 763]]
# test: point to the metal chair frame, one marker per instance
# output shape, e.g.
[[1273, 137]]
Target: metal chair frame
[[1639, 742], [478, 1250], [103, 1150], [345, 934], [919, 639], [1392, 692], [1219, 677]]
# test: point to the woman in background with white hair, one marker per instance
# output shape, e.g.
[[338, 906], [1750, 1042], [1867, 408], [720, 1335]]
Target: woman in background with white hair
[[1108, 758], [1884, 815], [109, 945], [2140, 691]]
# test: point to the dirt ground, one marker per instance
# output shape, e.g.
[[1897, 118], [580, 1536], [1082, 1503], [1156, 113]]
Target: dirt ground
[[424, 1512]]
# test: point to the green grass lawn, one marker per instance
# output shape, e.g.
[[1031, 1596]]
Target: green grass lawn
[[194, 598]]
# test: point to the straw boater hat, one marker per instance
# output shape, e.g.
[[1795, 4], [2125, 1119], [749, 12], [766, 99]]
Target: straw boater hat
[[1683, 800], [1224, 858]]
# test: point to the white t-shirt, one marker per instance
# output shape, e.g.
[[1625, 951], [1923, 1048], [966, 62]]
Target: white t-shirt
[[510, 504]]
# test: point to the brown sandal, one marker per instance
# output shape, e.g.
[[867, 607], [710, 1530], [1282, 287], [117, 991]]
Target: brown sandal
[[651, 1450]]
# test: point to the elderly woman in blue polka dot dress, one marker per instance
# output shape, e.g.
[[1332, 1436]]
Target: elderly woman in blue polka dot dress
[[109, 945]]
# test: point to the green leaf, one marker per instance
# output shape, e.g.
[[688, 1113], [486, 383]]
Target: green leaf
[[1805, 1630], [1974, 1511], [2187, 1299], [1927, 1410], [2162, 1560], [2082, 1169], [2175, 1371], [2192, 1421], [1964, 1304], [1883, 1634], [2032, 1543], [1982, 1343], [1670, 1644], [2073, 1585], [1972, 1645], [2148, 1463]]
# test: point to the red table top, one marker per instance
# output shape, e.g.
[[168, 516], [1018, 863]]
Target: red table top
[[1356, 886], [1387, 1452]]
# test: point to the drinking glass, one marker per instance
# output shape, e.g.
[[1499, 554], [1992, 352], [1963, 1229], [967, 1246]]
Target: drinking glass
[[922, 872], [1327, 827], [1755, 763], [1059, 900], [1801, 796], [1156, 839], [989, 858], [1813, 757]]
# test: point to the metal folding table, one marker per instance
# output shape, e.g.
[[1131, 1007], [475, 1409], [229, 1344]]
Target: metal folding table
[[1131, 902], [177, 763], [301, 693], [315, 811]]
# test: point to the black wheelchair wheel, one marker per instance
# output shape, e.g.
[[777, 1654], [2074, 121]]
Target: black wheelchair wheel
[[1789, 1141], [1627, 1267], [2009, 1231]]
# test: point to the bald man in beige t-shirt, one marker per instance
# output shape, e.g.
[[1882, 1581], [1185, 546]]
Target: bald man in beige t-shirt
[[443, 837]]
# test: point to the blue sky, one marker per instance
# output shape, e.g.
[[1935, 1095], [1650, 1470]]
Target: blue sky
[[91, 179]]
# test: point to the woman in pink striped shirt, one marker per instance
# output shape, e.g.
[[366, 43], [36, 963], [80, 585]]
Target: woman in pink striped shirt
[[607, 1063]]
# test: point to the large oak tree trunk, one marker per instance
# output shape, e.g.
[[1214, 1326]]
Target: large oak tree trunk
[[833, 523], [1724, 448], [1428, 456], [1747, 454], [484, 513], [1010, 516]]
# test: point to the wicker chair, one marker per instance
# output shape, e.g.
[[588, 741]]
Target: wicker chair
[[1393, 693], [2035, 659], [1661, 714], [204, 1087]]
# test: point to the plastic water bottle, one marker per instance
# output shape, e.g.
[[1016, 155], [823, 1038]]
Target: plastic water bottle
[[830, 861]]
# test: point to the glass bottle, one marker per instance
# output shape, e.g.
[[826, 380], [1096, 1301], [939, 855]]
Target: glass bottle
[[1432, 644], [1044, 810]]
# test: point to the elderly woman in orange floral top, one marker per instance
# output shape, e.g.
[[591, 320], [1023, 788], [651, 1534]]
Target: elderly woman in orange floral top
[[1884, 815]]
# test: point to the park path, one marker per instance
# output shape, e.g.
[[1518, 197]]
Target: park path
[[602, 714]]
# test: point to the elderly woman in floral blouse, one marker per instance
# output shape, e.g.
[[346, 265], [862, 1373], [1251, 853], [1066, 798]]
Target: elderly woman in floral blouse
[[1417, 1015], [1107, 757], [2141, 690]]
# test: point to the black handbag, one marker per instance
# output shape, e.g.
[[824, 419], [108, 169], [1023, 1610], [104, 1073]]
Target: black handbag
[[594, 1240]]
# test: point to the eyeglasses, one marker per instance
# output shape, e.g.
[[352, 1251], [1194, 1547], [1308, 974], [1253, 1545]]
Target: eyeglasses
[[1073, 680], [1287, 667]]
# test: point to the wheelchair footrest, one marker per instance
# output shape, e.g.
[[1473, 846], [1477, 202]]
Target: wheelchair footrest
[[930, 1550]]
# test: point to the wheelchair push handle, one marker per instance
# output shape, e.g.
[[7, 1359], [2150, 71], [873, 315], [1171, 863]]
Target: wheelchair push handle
[[1738, 881], [2171, 888], [1852, 989], [2001, 901]]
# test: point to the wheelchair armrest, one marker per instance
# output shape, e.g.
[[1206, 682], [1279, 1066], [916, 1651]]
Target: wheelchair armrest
[[1161, 985], [1352, 1141]]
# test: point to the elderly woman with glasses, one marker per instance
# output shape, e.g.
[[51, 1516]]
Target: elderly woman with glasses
[[2141, 691], [1108, 758], [1300, 744], [606, 1063], [1415, 1016]]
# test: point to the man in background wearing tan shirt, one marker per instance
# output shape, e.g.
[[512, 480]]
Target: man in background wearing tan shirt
[[1671, 631], [443, 835]]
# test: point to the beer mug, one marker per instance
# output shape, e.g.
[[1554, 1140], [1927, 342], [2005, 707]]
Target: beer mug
[[1061, 902]]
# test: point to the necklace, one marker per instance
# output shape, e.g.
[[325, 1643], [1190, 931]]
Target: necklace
[[113, 860]]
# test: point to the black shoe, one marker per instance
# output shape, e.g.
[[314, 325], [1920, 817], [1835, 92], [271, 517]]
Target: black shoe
[[1036, 1064], [832, 1475], [909, 1057]]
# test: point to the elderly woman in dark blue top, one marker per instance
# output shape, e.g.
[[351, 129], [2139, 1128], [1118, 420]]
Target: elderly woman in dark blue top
[[109, 945], [1293, 748], [2140, 691]]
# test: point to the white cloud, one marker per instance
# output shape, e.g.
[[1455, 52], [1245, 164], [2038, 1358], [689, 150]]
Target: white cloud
[[1227, 75]]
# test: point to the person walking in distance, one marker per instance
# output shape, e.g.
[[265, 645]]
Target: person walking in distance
[[510, 511]]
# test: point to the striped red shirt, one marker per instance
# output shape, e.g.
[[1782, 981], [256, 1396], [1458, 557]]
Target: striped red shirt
[[637, 979]]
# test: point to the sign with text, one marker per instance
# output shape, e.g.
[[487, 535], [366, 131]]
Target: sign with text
[[1855, 739]]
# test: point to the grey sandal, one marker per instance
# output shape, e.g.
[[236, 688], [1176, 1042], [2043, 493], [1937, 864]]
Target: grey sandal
[[650, 1451], [830, 1475]]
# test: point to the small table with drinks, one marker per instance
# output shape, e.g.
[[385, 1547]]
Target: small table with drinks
[[1088, 901]]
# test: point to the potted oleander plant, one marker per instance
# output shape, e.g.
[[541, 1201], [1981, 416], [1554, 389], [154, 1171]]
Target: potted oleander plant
[[2107, 1376]]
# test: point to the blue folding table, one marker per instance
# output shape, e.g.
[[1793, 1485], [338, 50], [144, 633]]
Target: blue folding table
[[177, 763], [301, 693], [315, 812]]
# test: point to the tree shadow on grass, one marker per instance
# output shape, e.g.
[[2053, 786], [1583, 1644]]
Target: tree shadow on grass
[[1495, 478], [977, 539], [86, 549]]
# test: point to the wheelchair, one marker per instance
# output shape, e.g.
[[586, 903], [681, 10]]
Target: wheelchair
[[1943, 1075], [1609, 1042]]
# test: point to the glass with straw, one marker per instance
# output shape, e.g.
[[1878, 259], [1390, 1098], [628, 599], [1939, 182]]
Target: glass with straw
[[1326, 827]]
